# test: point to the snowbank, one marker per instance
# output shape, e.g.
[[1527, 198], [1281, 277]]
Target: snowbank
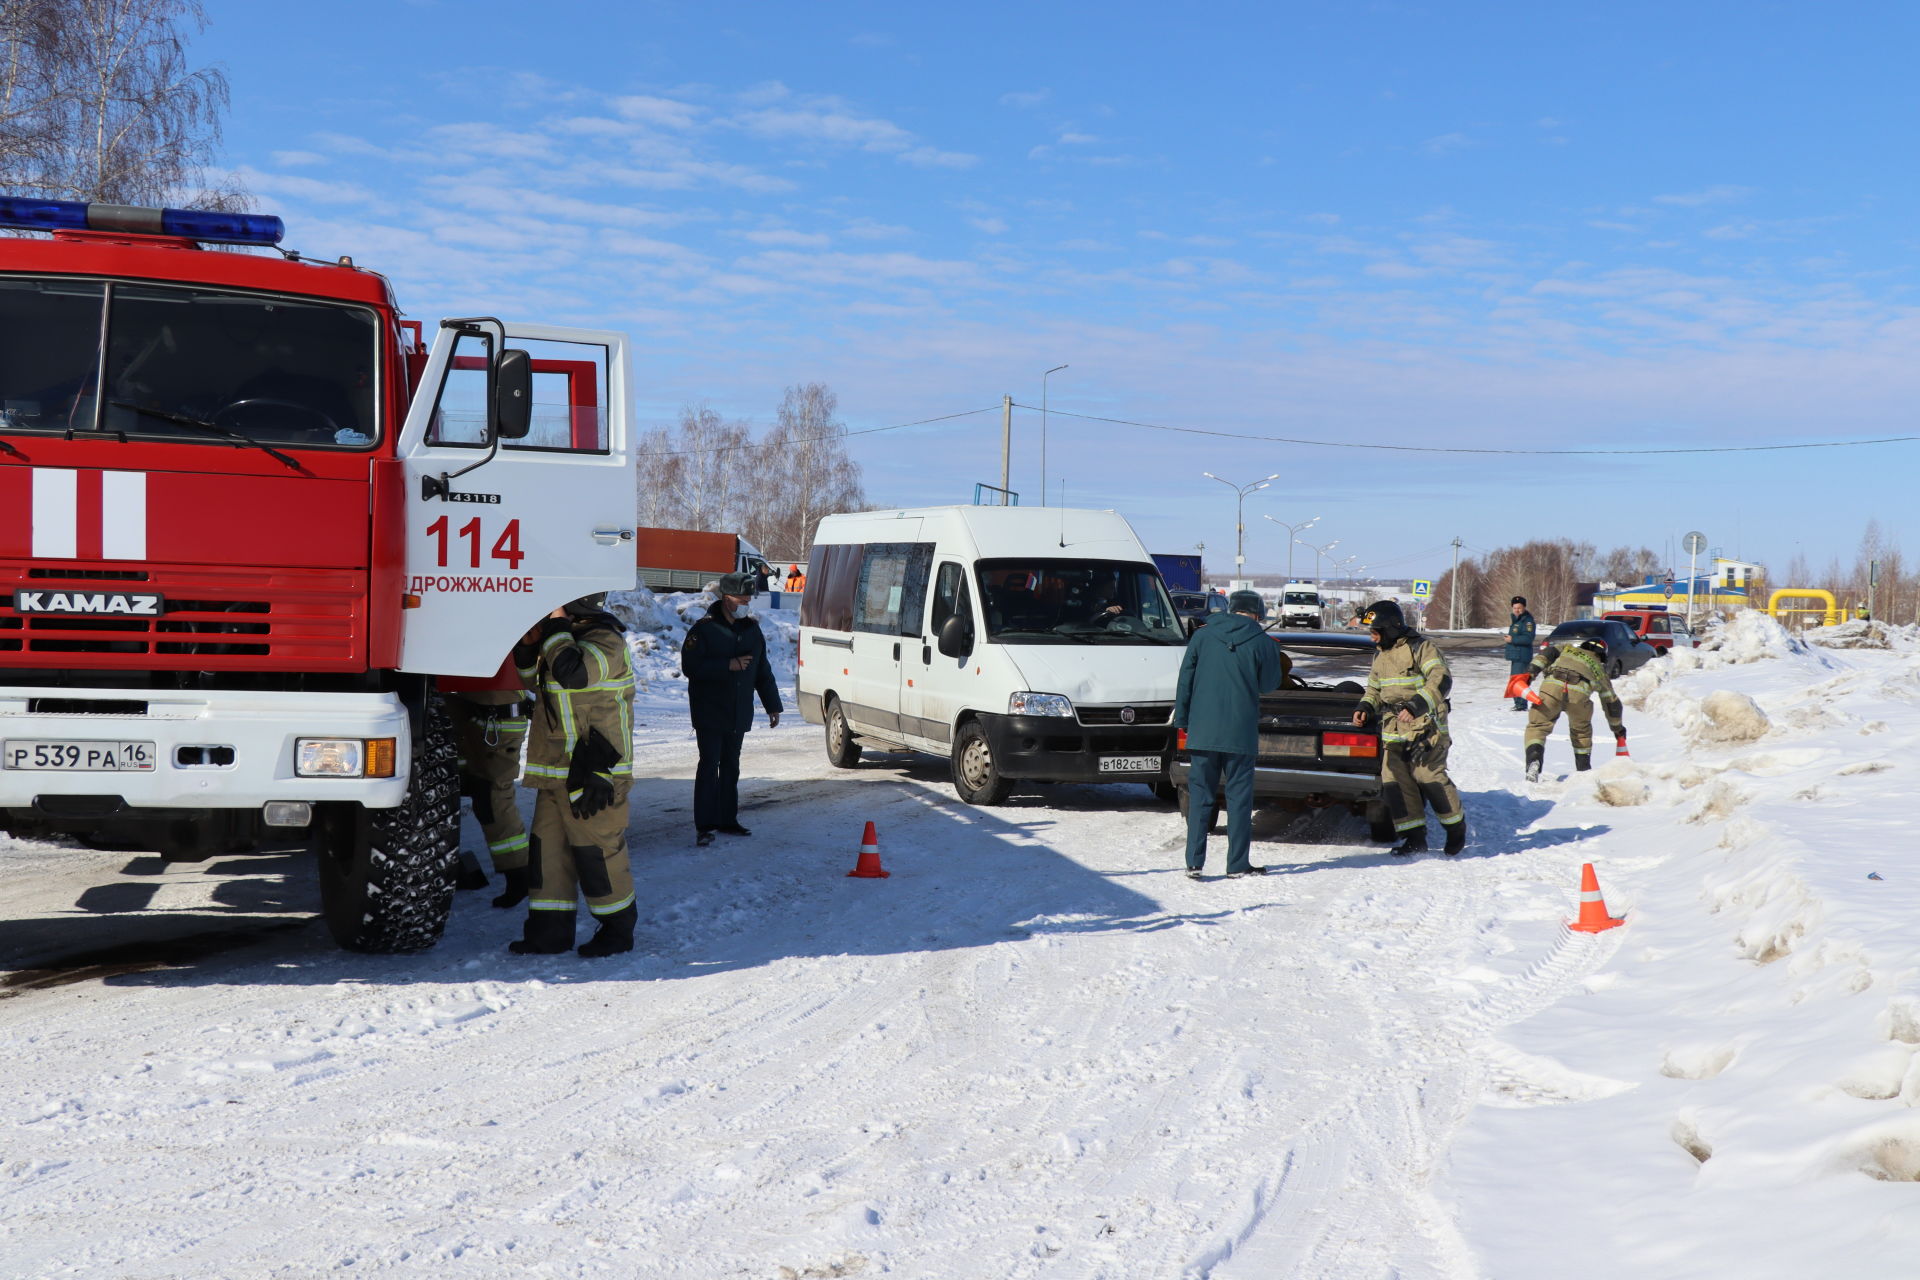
[[657, 626], [1762, 1011]]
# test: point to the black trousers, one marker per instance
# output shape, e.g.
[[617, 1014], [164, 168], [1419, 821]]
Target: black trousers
[[716, 779]]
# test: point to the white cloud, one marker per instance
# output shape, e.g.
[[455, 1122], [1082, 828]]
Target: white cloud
[[934, 158], [293, 159], [665, 112], [298, 188], [1025, 100], [786, 239], [835, 127], [1719, 194], [1446, 144], [1071, 139], [477, 138], [992, 226], [868, 229]]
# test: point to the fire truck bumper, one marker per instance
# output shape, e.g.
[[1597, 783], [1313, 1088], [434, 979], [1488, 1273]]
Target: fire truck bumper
[[198, 749]]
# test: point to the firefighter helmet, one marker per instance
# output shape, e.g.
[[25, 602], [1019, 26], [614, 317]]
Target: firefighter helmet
[[1385, 620]]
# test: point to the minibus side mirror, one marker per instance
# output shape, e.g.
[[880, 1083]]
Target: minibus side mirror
[[956, 637]]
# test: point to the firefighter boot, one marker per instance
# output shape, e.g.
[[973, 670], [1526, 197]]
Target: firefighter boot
[[471, 875], [1582, 761], [614, 935], [1416, 842], [1456, 836], [516, 891], [1536, 757], [547, 933]]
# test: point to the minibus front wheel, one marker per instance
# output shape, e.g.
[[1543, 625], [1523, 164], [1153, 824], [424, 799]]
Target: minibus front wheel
[[975, 776]]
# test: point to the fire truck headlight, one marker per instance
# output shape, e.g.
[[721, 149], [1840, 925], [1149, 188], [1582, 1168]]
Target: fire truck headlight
[[330, 758], [345, 757]]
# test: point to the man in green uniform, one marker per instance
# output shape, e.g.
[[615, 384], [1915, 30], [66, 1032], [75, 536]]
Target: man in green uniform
[[1407, 690], [1229, 663], [580, 765], [1519, 644], [489, 728], [1573, 676]]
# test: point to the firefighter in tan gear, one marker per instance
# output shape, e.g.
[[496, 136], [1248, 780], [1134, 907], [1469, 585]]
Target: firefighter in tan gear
[[1407, 692], [1567, 678], [580, 765], [489, 728]]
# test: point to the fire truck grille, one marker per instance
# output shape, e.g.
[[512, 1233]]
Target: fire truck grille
[[287, 620]]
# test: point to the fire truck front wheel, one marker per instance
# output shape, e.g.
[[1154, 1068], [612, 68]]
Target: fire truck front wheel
[[386, 875]]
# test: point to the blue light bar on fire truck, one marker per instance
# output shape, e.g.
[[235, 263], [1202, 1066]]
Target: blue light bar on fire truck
[[205, 225]]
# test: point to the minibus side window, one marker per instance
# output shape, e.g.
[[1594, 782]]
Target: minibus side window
[[892, 595], [949, 597]]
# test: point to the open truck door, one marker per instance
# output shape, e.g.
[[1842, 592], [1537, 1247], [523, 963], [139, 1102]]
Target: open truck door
[[519, 487]]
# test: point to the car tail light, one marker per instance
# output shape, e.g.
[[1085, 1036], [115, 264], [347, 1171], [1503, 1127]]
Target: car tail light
[[1349, 744], [1180, 739]]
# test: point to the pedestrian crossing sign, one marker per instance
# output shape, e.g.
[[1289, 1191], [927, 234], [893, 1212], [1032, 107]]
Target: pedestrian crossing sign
[[1422, 588]]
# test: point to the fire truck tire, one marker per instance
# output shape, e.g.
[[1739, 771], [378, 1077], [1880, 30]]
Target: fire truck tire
[[386, 875]]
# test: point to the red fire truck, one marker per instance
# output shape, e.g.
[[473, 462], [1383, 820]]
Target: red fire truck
[[251, 520]]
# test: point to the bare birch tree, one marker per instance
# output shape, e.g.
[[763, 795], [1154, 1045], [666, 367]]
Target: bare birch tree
[[103, 105], [716, 470], [805, 472]]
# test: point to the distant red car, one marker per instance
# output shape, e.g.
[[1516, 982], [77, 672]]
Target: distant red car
[[1663, 630]]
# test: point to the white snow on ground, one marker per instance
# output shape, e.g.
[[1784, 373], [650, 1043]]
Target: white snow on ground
[[1038, 1049]]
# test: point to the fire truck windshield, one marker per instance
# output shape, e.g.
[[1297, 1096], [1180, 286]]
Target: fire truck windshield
[[178, 359]]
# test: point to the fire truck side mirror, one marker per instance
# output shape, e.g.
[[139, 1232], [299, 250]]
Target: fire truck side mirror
[[513, 395]]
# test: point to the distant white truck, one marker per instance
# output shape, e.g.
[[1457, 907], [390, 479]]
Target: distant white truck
[[1301, 605]]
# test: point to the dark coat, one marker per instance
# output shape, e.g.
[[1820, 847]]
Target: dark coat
[[719, 698], [1229, 663], [1520, 640]]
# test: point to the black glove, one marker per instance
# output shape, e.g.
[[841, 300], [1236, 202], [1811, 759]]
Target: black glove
[[589, 784], [588, 797], [1620, 733]]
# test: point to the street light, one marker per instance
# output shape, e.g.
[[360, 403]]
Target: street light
[[1294, 531], [1240, 518], [1043, 430], [1317, 553]]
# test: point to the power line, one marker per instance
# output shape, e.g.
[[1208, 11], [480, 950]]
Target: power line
[[831, 435], [1423, 448]]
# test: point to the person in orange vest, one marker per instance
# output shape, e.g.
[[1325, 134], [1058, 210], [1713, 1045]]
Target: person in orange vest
[[796, 580]]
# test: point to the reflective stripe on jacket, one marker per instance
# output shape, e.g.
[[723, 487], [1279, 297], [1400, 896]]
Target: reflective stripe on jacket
[[582, 679], [1409, 674], [1578, 669]]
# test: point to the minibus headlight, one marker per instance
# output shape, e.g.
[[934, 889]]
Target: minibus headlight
[[1039, 704]]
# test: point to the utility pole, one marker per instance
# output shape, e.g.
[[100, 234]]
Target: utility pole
[[1873, 580], [1006, 450], [1453, 588]]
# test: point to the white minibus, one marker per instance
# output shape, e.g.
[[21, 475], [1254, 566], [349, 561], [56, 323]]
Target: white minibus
[[1022, 643]]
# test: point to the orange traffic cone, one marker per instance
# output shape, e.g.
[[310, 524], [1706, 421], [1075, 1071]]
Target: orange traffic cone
[[1593, 908], [868, 868], [1518, 686], [1620, 749]]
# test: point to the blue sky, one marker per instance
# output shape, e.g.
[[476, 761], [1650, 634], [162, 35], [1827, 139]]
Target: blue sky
[[1486, 225]]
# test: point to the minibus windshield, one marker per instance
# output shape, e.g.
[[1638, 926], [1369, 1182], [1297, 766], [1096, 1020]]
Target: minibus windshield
[[1076, 602]]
